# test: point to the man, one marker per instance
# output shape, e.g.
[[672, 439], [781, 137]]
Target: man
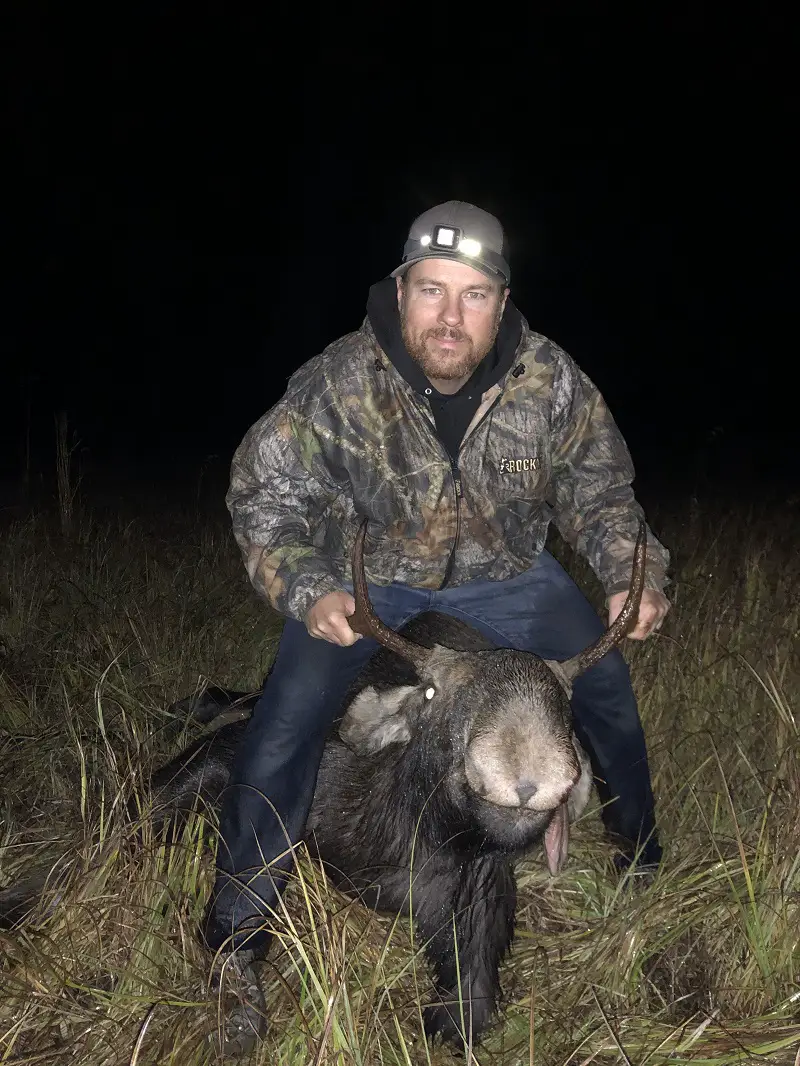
[[460, 433]]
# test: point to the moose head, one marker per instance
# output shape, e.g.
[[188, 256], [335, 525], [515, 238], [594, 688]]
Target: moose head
[[494, 724]]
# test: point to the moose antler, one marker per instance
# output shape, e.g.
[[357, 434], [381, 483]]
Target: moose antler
[[365, 621], [622, 623]]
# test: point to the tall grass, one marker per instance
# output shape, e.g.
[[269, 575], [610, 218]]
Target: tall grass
[[67, 481], [101, 632]]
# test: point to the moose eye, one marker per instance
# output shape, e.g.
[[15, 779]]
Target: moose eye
[[430, 693]]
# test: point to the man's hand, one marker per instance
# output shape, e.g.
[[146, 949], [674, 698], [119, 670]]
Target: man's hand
[[327, 619], [652, 612]]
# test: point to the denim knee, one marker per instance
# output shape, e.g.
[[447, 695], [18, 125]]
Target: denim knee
[[605, 692], [611, 670]]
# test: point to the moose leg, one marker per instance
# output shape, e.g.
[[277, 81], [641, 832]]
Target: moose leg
[[467, 937], [205, 706]]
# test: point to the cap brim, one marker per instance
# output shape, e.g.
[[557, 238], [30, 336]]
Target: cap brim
[[484, 268]]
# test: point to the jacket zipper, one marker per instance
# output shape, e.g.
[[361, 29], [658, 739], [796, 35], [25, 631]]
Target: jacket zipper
[[459, 493], [459, 496], [448, 573]]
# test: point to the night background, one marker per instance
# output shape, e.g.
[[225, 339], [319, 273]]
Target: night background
[[198, 203]]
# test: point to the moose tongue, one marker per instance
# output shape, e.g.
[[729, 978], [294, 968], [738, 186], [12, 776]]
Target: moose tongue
[[556, 840]]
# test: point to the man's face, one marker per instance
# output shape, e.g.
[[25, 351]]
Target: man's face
[[450, 314]]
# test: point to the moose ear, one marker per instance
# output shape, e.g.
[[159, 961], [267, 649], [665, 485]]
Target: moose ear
[[375, 719], [579, 797]]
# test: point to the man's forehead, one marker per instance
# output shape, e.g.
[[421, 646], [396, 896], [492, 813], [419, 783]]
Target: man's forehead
[[448, 272]]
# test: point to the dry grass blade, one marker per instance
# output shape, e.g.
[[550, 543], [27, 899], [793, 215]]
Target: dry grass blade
[[614, 1036]]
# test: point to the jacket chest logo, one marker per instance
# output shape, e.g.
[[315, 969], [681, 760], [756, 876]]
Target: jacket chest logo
[[518, 466]]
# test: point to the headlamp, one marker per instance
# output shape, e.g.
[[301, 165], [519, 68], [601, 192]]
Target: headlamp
[[446, 238], [451, 239]]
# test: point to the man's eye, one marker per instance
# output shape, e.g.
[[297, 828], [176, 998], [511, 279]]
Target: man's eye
[[476, 295], [431, 292]]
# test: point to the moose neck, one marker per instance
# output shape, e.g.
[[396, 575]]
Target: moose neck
[[424, 809]]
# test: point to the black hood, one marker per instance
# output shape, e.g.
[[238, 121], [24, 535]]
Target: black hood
[[384, 316]]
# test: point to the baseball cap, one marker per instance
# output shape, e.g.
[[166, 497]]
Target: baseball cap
[[461, 231]]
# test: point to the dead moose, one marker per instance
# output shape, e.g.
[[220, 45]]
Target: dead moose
[[448, 748]]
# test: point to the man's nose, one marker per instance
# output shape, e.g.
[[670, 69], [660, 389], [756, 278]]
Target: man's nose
[[452, 311]]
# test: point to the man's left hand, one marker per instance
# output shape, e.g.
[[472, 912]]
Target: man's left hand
[[652, 612]]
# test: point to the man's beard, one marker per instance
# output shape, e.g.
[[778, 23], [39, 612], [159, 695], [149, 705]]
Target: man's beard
[[450, 366]]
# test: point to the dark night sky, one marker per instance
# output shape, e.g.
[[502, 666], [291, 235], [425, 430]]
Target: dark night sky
[[199, 203]]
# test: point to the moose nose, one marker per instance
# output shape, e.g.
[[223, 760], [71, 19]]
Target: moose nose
[[551, 792]]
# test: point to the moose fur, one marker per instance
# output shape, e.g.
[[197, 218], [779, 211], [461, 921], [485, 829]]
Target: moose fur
[[393, 781], [451, 759]]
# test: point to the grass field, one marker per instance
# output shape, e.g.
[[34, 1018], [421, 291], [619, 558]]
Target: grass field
[[102, 629]]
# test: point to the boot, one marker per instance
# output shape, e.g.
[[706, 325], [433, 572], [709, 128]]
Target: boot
[[244, 1021]]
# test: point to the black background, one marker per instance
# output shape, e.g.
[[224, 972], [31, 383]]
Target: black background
[[198, 202]]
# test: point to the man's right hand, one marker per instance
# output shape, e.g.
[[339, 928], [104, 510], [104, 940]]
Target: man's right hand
[[327, 619]]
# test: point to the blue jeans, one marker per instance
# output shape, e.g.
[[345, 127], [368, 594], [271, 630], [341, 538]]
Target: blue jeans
[[541, 610]]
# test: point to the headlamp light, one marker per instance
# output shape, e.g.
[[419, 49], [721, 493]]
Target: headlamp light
[[451, 239], [446, 238], [469, 247]]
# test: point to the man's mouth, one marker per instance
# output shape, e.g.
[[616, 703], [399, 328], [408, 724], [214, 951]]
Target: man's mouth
[[448, 341]]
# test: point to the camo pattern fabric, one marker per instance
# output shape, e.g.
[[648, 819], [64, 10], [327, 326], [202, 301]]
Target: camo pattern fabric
[[351, 438]]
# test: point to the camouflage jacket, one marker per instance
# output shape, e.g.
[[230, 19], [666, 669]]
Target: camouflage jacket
[[351, 438]]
